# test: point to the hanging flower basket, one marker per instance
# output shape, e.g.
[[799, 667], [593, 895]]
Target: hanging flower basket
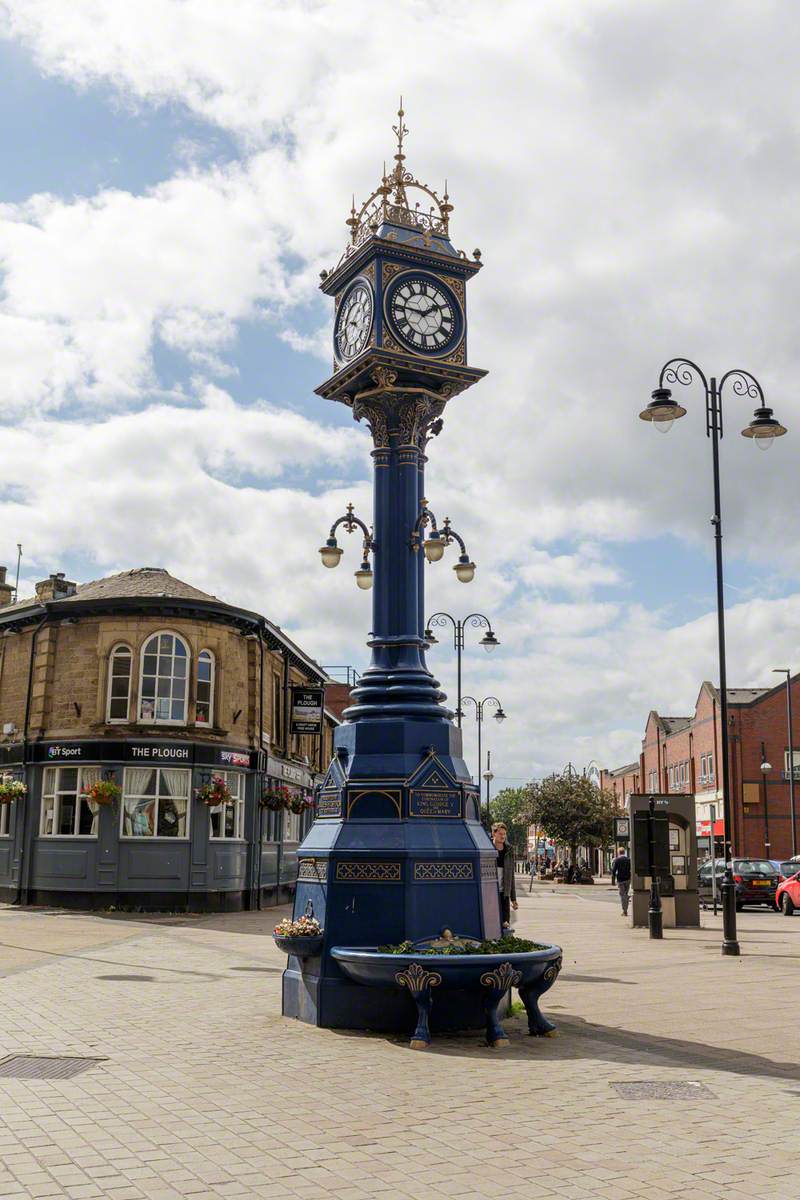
[[276, 798], [11, 790], [103, 791], [300, 804], [214, 793], [302, 937]]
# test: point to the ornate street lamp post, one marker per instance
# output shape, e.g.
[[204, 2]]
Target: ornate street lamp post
[[499, 716], [663, 411], [475, 621], [785, 671]]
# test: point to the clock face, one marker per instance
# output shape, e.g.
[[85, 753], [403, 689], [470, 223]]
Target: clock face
[[353, 322], [424, 314]]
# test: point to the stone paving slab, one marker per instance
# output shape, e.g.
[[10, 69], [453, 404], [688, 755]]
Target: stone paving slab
[[207, 1092]]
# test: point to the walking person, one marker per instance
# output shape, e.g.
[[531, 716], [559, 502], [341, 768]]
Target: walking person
[[621, 875], [505, 873]]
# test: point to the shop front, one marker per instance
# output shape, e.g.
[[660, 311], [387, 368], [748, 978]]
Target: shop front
[[147, 840], [287, 813]]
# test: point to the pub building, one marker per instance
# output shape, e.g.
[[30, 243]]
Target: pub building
[[147, 682]]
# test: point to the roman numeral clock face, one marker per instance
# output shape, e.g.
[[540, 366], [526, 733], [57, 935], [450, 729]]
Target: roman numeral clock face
[[353, 322], [424, 314]]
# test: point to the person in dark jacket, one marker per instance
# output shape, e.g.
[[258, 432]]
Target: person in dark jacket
[[505, 873], [621, 875]]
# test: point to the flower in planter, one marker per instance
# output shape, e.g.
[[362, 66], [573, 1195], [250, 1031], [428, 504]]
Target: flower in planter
[[276, 797], [102, 791], [214, 793], [303, 927], [11, 790]]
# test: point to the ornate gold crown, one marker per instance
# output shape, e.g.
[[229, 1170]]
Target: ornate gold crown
[[389, 203]]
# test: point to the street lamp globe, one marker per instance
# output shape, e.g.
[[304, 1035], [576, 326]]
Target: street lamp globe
[[464, 569], [363, 576], [662, 410], [330, 553], [763, 428], [500, 716], [489, 641], [766, 766], [433, 547]]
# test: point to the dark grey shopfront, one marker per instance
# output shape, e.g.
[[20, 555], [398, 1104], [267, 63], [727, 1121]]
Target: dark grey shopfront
[[156, 847]]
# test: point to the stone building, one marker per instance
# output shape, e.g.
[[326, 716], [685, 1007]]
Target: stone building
[[148, 682]]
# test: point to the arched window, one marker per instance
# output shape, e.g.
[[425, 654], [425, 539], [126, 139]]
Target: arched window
[[119, 683], [165, 673], [204, 700]]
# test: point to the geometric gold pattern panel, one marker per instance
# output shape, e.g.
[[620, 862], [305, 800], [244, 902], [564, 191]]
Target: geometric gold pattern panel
[[369, 872], [448, 872], [314, 869]]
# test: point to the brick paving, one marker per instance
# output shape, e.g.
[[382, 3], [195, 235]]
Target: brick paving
[[207, 1092]]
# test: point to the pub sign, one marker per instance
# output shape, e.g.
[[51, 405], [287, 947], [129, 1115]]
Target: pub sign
[[307, 705]]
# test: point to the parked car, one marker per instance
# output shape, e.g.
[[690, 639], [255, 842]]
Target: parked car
[[785, 867], [755, 879], [787, 896]]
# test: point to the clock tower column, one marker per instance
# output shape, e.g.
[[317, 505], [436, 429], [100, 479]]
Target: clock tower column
[[397, 851]]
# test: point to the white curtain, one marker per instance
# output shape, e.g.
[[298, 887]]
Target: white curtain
[[176, 782], [138, 781], [90, 775]]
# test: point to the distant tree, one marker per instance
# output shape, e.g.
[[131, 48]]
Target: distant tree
[[510, 806], [571, 810]]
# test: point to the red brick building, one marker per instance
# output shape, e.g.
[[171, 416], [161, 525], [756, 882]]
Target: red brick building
[[621, 781], [682, 754]]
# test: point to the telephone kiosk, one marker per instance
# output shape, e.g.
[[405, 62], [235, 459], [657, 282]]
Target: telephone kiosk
[[674, 849]]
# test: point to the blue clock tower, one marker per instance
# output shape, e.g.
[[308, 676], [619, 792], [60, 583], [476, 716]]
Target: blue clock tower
[[397, 851]]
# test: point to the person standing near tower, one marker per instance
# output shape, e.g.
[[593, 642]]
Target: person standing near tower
[[505, 873]]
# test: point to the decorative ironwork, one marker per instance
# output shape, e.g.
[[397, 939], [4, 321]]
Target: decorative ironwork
[[389, 203], [417, 979], [369, 872], [502, 977], [489, 869], [443, 872], [313, 869]]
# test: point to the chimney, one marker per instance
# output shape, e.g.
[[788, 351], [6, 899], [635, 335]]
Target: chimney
[[55, 587], [6, 590]]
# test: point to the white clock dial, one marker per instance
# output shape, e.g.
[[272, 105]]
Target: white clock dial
[[424, 314], [354, 322]]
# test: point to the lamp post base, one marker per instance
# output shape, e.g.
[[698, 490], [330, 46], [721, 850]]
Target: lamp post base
[[730, 942]]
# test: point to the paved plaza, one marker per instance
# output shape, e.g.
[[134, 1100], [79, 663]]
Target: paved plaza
[[202, 1090]]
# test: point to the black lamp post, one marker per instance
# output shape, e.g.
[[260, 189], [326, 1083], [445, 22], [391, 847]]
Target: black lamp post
[[785, 671], [476, 621], [499, 716], [765, 767], [663, 411]]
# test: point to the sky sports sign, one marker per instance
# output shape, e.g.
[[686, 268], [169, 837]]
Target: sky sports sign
[[307, 709]]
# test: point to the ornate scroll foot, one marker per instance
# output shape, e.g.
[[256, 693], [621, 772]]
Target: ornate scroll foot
[[419, 983], [531, 993], [497, 982]]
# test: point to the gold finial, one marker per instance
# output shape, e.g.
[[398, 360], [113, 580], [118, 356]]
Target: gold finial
[[400, 131]]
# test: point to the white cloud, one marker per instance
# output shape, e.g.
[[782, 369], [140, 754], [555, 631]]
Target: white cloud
[[634, 195]]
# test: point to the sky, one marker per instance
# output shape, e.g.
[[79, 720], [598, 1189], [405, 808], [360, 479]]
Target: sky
[[175, 174]]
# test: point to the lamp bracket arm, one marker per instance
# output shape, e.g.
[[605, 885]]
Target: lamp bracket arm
[[450, 535], [682, 371], [351, 522], [743, 384], [478, 621]]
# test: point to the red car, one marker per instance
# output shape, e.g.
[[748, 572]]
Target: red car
[[787, 896]]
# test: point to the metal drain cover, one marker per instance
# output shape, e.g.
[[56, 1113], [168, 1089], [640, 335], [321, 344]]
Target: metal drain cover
[[662, 1091], [38, 1066]]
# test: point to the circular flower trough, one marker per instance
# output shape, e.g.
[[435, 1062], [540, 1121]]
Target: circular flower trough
[[438, 965]]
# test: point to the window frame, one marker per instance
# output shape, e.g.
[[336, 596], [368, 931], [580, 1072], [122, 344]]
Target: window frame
[[56, 795], [710, 766], [154, 720], [211, 688], [237, 802], [146, 838], [5, 820], [118, 650]]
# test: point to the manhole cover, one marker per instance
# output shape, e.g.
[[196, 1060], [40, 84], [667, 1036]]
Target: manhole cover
[[36, 1066], [662, 1091]]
